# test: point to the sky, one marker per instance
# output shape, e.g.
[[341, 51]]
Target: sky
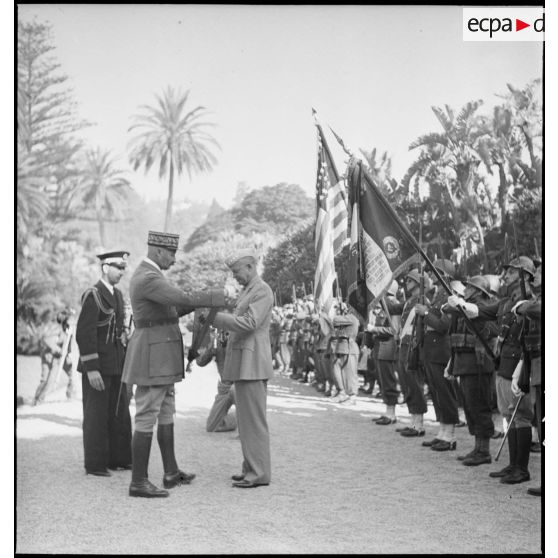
[[371, 72]]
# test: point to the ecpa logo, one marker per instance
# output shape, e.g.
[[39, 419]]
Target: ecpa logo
[[503, 24]]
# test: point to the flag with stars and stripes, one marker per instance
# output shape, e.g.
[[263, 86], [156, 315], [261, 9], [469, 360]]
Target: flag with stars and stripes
[[331, 224]]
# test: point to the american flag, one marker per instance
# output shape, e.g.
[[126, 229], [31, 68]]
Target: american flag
[[331, 224]]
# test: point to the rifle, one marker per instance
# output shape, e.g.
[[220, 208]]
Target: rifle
[[409, 237], [524, 378], [420, 319]]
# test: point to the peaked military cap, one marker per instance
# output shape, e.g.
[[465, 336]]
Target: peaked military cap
[[118, 257], [163, 239], [240, 255]]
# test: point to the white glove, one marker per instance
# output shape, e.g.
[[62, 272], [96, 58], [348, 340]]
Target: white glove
[[471, 310], [453, 301], [517, 305], [369, 327], [515, 379]]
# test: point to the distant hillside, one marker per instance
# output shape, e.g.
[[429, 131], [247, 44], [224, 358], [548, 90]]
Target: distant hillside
[[261, 220], [272, 210]]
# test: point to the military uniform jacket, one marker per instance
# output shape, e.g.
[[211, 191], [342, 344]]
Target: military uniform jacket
[[468, 354], [155, 354], [436, 342], [248, 354], [387, 338], [510, 327], [98, 331], [343, 340], [532, 310]]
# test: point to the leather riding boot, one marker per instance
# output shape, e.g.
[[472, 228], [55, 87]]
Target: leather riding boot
[[512, 448], [520, 472], [140, 485], [173, 475], [482, 456]]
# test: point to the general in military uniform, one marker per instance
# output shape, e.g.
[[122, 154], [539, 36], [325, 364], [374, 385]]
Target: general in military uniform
[[155, 360], [101, 340], [248, 364]]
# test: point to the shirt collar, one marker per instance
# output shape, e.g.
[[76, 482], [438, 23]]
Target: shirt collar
[[108, 286], [151, 262]]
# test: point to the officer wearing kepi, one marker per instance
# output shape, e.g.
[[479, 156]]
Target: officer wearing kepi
[[101, 338], [155, 359]]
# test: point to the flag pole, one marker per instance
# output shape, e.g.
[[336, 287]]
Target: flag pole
[[326, 146], [411, 239]]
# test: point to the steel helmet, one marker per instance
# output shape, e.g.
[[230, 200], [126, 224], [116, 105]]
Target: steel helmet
[[479, 282], [523, 262], [458, 287], [495, 283], [393, 288], [445, 266], [414, 275]]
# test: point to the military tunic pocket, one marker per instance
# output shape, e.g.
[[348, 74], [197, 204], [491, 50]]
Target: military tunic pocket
[[166, 352]]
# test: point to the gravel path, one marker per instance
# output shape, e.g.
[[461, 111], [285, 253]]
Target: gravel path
[[340, 484]]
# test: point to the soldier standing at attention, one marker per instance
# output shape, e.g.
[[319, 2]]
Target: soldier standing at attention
[[409, 369], [472, 365], [532, 311], [517, 280], [387, 334], [101, 339], [435, 354], [155, 359]]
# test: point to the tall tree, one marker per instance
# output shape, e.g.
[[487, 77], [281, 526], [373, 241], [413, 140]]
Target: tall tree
[[47, 112], [178, 139], [103, 186]]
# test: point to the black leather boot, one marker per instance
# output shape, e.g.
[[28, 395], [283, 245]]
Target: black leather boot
[[520, 472], [140, 485], [173, 475], [512, 447], [472, 452], [482, 456]]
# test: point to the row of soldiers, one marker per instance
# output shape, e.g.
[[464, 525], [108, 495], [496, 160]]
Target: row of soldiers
[[480, 343]]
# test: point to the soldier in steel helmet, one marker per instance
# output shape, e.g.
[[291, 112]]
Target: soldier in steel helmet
[[532, 311], [517, 279], [435, 354], [386, 334], [410, 372], [472, 366]]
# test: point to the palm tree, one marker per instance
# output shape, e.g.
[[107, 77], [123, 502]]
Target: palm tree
[[175, 138], [104, 186]]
